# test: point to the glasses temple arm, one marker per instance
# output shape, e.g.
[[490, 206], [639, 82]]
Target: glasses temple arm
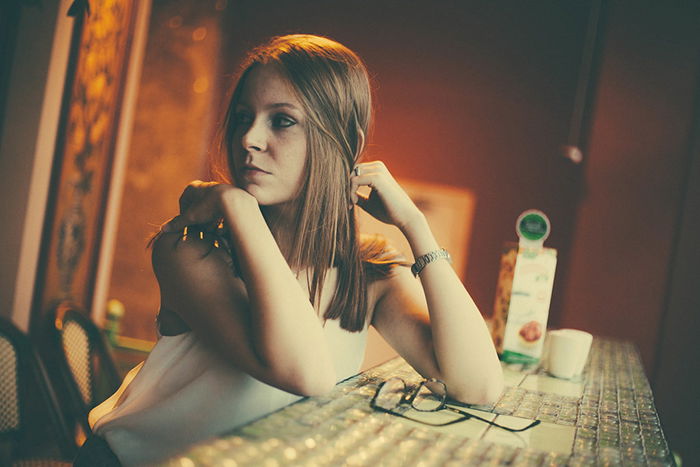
[[513, 430]]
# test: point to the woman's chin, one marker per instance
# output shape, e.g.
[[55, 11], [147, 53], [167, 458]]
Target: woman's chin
[[263, 199], [256, 193]]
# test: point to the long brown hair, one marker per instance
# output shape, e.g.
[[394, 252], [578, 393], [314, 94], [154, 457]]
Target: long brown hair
[[333, 86]]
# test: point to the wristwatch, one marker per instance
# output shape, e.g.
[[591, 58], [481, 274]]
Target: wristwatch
[[424, 260]]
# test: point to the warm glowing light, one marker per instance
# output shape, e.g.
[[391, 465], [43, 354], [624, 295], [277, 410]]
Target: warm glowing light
[[201, 85], [199, 34]]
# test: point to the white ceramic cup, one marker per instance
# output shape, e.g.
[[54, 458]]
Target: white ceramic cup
[[567, 352]]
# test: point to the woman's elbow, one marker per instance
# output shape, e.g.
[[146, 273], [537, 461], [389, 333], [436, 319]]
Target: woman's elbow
[[487, 392], [309, 382], [315, 385], [493, 391]]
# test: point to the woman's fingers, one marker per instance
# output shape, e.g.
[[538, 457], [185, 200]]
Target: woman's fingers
[[373, 174], [193, 193], [386, 201], [189, 195], [197, 206], [368, 180], [178, 223]]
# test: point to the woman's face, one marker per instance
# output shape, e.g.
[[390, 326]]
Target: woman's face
[[269, 142]]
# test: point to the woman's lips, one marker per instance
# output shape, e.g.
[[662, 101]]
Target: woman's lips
[[250, 171]]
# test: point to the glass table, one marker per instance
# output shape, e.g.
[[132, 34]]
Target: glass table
[[607, 417]]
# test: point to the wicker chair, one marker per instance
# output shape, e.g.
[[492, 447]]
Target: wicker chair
[[81, 363], [33, 430]]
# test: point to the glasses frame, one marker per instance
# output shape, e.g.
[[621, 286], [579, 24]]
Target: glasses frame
[[409, 396]]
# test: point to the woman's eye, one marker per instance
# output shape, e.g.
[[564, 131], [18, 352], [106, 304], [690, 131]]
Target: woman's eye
[[282, 121], [243, 118]]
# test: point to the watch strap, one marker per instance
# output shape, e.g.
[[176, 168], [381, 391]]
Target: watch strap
[[424, 260]]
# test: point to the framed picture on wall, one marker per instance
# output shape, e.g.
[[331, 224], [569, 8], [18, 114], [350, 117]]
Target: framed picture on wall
[[83, 159]]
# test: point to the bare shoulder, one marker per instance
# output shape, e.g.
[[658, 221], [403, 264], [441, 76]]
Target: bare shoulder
[[388, 273], [400, 281], [379, 258], [378, 248]]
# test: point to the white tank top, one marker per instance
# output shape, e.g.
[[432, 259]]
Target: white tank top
[[183, 394]]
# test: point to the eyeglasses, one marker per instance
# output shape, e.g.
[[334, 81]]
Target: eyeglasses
[[429, 396]]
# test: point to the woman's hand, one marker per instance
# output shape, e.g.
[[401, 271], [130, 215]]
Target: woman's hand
[[387, 201], [201, 204]]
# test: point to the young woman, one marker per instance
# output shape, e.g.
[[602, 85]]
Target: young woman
[[267, 290]]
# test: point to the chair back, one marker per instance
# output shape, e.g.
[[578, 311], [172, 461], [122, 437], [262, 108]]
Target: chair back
[[83, 362], [30, 414]]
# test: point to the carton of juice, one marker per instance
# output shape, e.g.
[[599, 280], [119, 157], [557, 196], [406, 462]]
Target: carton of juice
[[524, 291]]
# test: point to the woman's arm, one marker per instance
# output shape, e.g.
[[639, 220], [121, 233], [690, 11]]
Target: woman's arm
[[262, 323], [437, 328]]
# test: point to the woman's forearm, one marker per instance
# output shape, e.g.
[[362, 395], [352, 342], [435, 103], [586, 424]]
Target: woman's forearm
[[464, 351], [288, 336]]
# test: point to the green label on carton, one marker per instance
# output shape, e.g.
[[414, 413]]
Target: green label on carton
[[509, 356], [533, 225]]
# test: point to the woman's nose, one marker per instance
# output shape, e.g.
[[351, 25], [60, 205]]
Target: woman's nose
[[255, 137]]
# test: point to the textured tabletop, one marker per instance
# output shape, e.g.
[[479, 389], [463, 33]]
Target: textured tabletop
[[607, 417]]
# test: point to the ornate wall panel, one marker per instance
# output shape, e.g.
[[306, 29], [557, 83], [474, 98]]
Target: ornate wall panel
[[84, 152]]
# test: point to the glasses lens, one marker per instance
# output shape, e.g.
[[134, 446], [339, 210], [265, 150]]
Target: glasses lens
[[390, 394], [430, 396]]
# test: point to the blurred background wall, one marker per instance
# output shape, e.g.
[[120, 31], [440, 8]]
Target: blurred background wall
[[176, 110], [467, 95], [474, 95]]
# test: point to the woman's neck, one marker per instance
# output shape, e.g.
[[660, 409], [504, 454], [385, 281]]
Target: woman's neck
[[281, 220]]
